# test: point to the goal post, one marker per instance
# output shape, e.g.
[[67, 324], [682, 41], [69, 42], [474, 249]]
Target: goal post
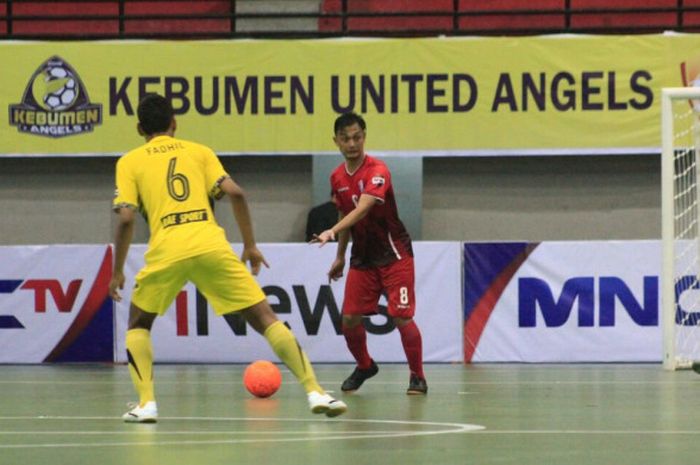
[[680, 229]]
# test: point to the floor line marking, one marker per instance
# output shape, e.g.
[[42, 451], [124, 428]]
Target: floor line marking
[[452, 428]]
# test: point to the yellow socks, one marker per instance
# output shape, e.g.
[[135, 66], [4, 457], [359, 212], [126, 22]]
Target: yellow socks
[[140, 356], [288, 350], [139, 352]]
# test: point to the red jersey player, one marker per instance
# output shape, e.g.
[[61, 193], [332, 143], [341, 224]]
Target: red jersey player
[[381, 258]]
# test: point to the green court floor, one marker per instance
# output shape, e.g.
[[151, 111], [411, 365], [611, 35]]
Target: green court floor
[[474, 414]]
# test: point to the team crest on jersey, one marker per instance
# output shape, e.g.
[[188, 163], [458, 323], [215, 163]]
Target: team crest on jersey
[[55, 103], [378, 180]]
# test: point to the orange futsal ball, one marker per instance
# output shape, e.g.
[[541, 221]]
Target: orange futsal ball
[[262, 378]]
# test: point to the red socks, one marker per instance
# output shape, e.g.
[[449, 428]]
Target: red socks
[[356, 339], [413, 346]]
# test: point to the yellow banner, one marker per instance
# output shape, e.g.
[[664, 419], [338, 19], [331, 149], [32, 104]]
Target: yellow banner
[[462, 96]]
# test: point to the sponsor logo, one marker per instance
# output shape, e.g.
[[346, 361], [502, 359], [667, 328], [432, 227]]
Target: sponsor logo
[[312, 304], [55, 103], [43, 290], [593, 298], [178, 218], [378, 180]]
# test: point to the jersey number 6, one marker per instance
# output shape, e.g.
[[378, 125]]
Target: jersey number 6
[[177, 182]]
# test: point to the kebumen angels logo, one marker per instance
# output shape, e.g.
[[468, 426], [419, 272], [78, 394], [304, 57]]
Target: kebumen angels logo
[[55, 103]]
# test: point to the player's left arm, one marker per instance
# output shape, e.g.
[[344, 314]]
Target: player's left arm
[[224, 185], [241, 212]]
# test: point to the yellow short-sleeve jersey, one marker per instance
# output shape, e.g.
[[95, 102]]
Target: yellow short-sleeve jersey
[[172, 182]]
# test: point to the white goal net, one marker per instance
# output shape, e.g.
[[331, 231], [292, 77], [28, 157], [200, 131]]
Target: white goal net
[[680, 204]]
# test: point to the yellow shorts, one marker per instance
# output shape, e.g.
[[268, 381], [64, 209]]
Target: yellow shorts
[[220, 276]]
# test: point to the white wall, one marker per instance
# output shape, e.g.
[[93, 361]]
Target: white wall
[[67, 200]]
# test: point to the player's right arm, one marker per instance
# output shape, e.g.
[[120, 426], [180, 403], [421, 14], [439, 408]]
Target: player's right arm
[[364, 205], [122, 240], [245, 225], [124, 205]]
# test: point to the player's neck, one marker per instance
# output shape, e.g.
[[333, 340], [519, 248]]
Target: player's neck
[[150, 137], [352, 164]]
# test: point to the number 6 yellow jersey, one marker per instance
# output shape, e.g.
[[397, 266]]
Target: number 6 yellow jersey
[[171, 181]]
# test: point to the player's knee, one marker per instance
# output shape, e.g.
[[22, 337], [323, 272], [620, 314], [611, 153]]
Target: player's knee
[[401, 321], [259, 316], [139, 319], [350, 321]]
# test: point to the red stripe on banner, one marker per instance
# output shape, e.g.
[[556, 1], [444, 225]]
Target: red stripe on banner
[[181, 314], [97, 295], [474, 327]]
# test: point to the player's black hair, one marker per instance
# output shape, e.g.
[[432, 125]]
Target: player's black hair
[[155, 114], [348, 119]]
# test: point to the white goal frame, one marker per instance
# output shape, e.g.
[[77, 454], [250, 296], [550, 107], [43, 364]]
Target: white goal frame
[[671, 360]]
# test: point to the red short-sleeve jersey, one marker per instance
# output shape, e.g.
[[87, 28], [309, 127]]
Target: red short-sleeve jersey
[[379, 238]]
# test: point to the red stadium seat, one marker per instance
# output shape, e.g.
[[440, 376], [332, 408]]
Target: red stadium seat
[[53, 21], [102, 18], [435, 15], [508, 16], [506, 21], [611, 20], [163, 26]]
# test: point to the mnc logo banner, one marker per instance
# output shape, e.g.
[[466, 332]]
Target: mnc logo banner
[[562, 301]]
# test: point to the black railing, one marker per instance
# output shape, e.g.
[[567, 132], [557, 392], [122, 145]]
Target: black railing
[[35, 19]]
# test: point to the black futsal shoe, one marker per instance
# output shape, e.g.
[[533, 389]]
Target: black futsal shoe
[[355, 380], [417, 386]]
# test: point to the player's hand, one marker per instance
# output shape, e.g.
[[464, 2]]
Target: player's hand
[[255, 258], [117, 282], [321, 239], [336, 271]]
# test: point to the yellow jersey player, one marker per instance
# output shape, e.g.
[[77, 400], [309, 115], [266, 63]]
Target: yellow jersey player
[[171, 181]]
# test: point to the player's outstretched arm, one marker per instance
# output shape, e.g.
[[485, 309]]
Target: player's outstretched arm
[[364, 205]]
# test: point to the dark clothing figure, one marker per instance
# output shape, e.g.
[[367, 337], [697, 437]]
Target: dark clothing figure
[[321, 217]]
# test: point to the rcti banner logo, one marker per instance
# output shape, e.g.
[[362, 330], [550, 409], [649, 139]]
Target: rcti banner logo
[[54, 305], [55, 103]]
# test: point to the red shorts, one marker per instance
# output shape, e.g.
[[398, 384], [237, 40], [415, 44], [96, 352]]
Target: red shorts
[[363, 287]]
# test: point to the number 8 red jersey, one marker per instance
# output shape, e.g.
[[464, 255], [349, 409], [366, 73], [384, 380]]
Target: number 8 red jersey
[[380, 238]]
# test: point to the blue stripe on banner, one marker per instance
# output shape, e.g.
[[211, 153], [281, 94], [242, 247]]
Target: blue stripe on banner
[[483, 263], [10, 322], [96, 342], [7, 286]]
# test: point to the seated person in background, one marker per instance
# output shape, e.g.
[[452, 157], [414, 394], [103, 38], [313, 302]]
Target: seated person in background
[[321, 217]]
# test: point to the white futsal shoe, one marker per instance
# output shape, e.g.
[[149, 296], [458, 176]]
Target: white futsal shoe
[[323, 403], [146, 414]]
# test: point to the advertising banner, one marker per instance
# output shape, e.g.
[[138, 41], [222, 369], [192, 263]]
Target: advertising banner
[[54, 305], [421, 97], [298, 290], [562, 302]]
